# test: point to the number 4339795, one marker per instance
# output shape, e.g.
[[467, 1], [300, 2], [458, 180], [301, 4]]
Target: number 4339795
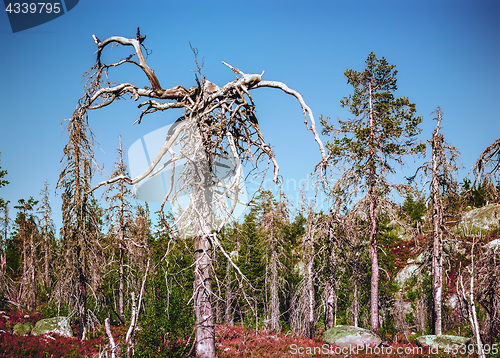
[[40, 7]]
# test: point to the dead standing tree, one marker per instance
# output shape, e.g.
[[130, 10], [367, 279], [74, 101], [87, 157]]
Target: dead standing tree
[[120, 214], [442, 169], [218, 125]]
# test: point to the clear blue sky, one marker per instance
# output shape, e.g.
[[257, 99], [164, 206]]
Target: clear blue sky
[[447, 54]]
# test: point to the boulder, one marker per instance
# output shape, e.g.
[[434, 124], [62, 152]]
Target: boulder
[[423, 258], [484, 218], [442, 342], [22, 329], [59, 325], [409, 271], [452, 301], [349, 336], [493, 245]]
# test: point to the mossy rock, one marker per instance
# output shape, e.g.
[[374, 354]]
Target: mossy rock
[[349, 336], [493, 245], [59, 325], [406, 274], [484, 218], [22, 329], [443, 342]]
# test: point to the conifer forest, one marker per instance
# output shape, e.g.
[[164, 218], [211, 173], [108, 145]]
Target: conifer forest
[[219, 270]]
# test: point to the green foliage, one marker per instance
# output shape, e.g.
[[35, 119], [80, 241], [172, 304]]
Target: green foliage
[[495, 343], [410, 318], [25, 227], [167, 321], [388, 330], [478, 195], [385, 239], [415, 208], [251, 251], [3, 173], [51, 309], [377, 135]]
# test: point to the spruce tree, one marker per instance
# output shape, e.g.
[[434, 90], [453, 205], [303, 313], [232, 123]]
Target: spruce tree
[[369, 145]]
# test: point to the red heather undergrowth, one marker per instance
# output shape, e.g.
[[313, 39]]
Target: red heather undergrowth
[[45, 346], [230, 342]]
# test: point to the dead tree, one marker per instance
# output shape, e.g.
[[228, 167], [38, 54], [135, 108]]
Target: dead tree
[[442, 169], [47, 231], [344, 258], [469, 299], [219, 124], [303, 317], [5, 232], [5, 206], [273, 218], [78, 221], [444, 166], [330, 294], [28, 234], [120, 208]]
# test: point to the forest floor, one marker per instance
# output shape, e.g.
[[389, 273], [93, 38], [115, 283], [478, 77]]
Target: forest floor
[[230, 342]]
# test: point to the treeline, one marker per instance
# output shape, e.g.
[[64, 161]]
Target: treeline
[[291, 269]]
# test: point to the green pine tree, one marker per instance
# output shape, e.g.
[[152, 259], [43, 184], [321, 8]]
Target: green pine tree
[[369, 145]]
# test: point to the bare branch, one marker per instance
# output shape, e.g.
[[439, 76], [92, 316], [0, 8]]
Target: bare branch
[[305, 108], [490, 156]]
